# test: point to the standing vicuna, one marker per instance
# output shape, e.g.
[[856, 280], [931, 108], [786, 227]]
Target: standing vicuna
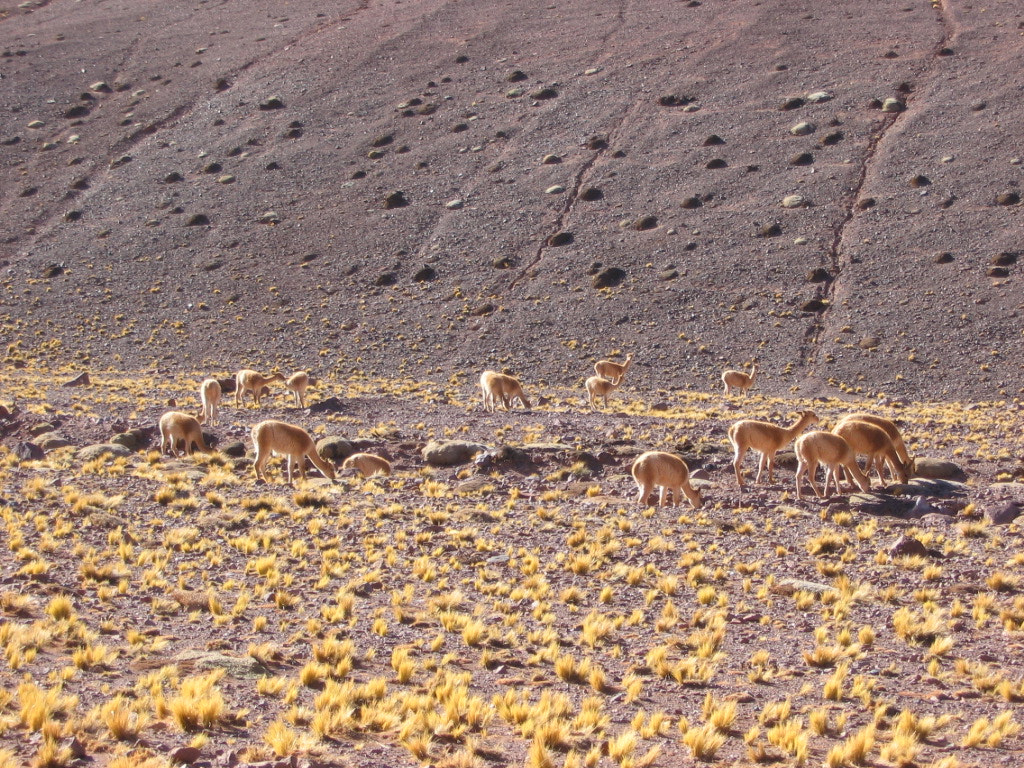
[[247, 380], [767, 439], [890, 429], [290, 441], [656, 468], [296, 384], [875, 443], [175, 426], [614, 372], [209, 396], [834, 452], [598, 386], [501, 387], [739, 380]]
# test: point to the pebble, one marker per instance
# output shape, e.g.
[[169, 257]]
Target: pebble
[[947, 159], [550, 160], [556, 189], [794, 201], [592, 71], [100, 86], [818, 97], [227, 178], [454, 205], [270, 217], [802, 128], [801, 241], [36, 124]]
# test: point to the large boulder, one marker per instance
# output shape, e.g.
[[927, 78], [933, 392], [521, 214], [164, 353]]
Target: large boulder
[[937, 469], [335, 448], [450, 452], [91, 452]]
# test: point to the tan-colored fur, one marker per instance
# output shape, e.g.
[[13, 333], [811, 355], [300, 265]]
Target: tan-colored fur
[[368, 464], [614, 372], [767, 439], [739, 380], [875, 443], [501, 387], [834, 452], [599, 387], [209, 396], [247, 380], [656, 468], [890, 429], [297, 384], [290, 441], [175, 426]]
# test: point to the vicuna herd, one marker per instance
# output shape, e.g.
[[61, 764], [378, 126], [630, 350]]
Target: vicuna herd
[[877, 438]]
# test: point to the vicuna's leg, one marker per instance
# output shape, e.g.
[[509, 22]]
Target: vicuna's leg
[[662, 491]]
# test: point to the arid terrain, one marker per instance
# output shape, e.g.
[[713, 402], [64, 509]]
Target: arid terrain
[[396, 196]]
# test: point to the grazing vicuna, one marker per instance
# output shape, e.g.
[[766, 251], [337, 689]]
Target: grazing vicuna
[[614, 372], [175, 426], [767, 439], [297, 384], [290, 441], [656, 468], [875, 443], [501, 387], [599, 387], [890, 429], [834, 452], [367, 464], [209, 396], [248, 380], [739, 380]]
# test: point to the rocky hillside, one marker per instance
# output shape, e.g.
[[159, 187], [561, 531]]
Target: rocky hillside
[[831, 189]]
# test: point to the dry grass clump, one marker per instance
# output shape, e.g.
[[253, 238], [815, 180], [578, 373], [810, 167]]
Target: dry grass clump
[[516, 620]]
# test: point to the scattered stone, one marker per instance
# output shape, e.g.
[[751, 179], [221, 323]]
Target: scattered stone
[[77, 111], [133, 439], [51, 271], [802, 158], [794, 102], [669, 274], [715, 164], [943, 258], [769, 230], [978, 106], [556, 189], [335, 449], [674, 100], [197, 220], [327, 405], [234, 666], [425, 274], [227, 178], [819, 97], [919, 180], [186, 755], [454, 205], [101, 86], [451, 452], [691, 202], [802, 128], [544, 94], [908, 546], [713, 140], [819, 275], [173, 177], [608, 278], [97, 450], [385, 279], [51, 441], [234, 448], [865, 202], [1007, 198], [794, 201], [382, 140], [937, 469], [645, 223], [893, 104], [81, 380], [26, 451], [814, 305], [271, 103], [395, 200], [212, 168], [869, 342], [1004, 259], [1004, 514], [560, 238], [597, 143], [550, 160], [831, 138], [503, 262]]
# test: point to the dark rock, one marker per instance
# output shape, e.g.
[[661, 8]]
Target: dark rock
[[515, 76], [385, 279], [803, 158], [26, 451], [591, 194], [819, 275], [327, 405], [451, 452], [213, 168], [609, 278], [908, 546], [395, 200], [645, 222], [273, 102], [865, 202], [197, 220], [1004, 514], [997, 272], [74, 215], [713, 140], [334, 448], [919, 180], [814, 305], [597, 143], [943, 258], [233, 448], [831, 138], [53, 270], [382, 140], [715, 164], [674, 100], [425, 274], [173, 177], [691, 202], [937, 469], [81, 380], [794, 102], [1004, 259], [503, 262], [769, 230], [1007, 198], [544, 94], [77, 111], [560, 238]]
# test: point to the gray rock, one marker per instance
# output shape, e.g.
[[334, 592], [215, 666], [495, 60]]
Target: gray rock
[[794, 201], [51, 441], [937, 469], [893, 105], [818, 97], [133, 439], [90, 452], [879, 505], [234, 449], [235, 666], [26, 451], [334, 448], [450, 452], [1003, 514], [802, 128]]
